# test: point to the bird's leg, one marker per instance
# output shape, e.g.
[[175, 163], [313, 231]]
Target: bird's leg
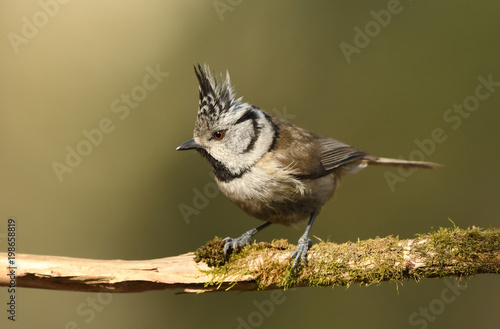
[[304, 244], [244, 239]]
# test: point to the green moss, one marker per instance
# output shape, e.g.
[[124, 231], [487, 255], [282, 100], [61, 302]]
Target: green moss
[[456, 251], [447, 251], [212, 253]]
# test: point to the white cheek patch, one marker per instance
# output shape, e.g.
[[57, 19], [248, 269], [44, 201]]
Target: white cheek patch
[[243, 137], [244, 144]]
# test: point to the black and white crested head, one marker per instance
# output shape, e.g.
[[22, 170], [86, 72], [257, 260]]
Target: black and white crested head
[[231, 134], [215, 98]]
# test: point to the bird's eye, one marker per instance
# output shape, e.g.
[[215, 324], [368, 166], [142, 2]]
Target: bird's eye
[[219, 134]]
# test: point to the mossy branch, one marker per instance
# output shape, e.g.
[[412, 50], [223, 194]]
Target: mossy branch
[[446, 252]]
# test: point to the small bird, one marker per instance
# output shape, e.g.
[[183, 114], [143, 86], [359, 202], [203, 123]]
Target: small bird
[[270, 168]]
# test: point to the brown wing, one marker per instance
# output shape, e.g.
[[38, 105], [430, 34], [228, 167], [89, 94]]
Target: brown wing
[[310, 155], [335, 154]]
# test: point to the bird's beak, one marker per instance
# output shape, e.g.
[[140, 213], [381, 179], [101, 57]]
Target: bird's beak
[[189, 145]]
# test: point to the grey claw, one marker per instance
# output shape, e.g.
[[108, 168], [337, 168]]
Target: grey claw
[[301, 252], [236, 243]]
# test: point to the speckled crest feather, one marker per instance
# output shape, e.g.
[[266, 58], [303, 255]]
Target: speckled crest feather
[[216, 98]]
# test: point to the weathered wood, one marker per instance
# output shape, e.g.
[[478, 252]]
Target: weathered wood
[[78, 274]]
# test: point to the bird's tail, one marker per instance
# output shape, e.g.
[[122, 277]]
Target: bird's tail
[[372, 160]]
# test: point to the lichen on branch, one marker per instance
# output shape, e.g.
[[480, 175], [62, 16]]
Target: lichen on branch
[[440, 253]]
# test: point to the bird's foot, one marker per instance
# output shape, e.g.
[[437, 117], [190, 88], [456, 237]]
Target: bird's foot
[[300, 254], [237, 243]]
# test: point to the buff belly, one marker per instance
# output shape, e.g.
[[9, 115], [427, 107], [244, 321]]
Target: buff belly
[[279, 197]]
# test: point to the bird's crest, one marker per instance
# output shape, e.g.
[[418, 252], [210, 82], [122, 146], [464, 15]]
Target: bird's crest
[[216, 98]]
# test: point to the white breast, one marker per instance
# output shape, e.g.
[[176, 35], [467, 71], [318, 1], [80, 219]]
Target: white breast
[[273, 193]]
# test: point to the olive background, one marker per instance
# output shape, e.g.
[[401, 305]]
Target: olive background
[[122, 201]]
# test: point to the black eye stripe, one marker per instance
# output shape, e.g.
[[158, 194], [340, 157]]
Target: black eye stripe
[[248, 115]]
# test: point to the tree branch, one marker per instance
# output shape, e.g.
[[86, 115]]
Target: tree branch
[[446, 252]]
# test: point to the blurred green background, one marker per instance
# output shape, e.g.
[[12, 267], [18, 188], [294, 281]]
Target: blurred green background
[[66, 67]]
